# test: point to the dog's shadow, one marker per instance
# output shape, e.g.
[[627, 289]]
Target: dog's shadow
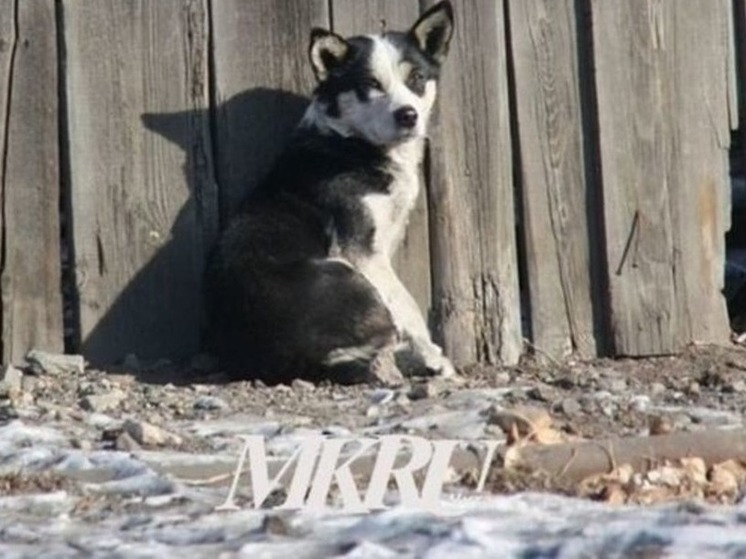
[[148, 318]]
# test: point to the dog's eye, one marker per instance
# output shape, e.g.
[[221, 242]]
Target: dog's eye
[[416, 81], [372, 83]]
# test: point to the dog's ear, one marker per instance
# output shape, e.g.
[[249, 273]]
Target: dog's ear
[[326, 51], [433, 31]]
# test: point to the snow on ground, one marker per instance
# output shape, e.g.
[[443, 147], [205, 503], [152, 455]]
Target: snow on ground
[[155, 515]]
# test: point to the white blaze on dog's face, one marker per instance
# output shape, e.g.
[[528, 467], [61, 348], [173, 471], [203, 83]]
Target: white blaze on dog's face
[[380, 88]]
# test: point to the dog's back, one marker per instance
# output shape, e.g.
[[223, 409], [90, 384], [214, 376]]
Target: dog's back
[[279, 307]]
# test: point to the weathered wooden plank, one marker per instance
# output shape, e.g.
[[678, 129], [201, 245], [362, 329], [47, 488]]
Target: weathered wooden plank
[[353, 17], [475, 279], [664, 132], [31, 296], [554, 190], [143, 199], [7, 45], [262, 80]]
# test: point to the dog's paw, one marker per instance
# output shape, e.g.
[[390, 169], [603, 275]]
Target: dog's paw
[[437, 363]]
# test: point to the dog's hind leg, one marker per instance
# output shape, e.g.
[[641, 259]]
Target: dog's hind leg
[[347, 328]]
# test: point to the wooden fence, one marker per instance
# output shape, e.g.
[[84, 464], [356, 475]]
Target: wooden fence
[[577, 179]]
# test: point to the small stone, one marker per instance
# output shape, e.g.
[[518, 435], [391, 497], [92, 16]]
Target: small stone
[[723, 479], [639, 403], [55, 363], [150, 435], [695, 468], [422, 391], [659, 425], [503, 377], [101, 421], [12, 379], [81, 444], [541, 393], [301, 385], [617, 385], [657, 388], [737, 387], [384, 370], [665, 475], [694, 389], [403, 400], [103, 402], [614, 495], [382, 396], [126, 442], [276, 525], [566, 381], [524, 420], [607, 407], [373, 412], [201, 388], [210, 403], [570, 406], [30, 383]]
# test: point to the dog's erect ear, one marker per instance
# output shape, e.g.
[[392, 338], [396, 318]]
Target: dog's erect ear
[[327, 51], [433, 31]]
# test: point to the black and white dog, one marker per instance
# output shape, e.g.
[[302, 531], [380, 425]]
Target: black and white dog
[[301, 282]]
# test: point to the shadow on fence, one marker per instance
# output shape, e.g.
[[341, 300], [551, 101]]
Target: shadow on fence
[[247, 133]]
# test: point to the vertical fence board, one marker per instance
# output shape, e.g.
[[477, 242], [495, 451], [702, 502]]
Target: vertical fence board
[[7, 45], [262, 81], [554, 190], [664, 131], [475, 278], [142, 196], [356, 17], [31, 297]]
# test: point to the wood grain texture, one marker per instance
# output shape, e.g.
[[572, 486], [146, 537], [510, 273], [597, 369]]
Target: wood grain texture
[[359, 17], [31, 295], [554, 189], [143, 199], [262, 79], [472, 224], [663, 108]]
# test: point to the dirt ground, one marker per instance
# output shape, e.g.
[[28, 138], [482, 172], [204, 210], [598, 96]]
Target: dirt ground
[[705, 387]]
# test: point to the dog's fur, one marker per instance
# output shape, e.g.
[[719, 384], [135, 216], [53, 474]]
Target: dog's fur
[[301, 282]]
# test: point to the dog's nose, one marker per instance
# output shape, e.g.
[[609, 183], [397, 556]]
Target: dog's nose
[[406, 117]]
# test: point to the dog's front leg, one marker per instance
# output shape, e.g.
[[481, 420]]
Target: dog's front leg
[[405, 312]]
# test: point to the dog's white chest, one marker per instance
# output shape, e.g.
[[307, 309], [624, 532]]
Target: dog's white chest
[[390, 211]]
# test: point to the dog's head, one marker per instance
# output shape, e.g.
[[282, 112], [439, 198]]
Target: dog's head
[[380, 87]]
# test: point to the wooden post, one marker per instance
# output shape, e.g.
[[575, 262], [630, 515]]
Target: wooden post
[[29, 179], [142, 194], [360, 17], [555, 192], [472, 224], [663, 104]]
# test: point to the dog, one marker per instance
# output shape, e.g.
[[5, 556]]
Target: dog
[[301, 284]]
